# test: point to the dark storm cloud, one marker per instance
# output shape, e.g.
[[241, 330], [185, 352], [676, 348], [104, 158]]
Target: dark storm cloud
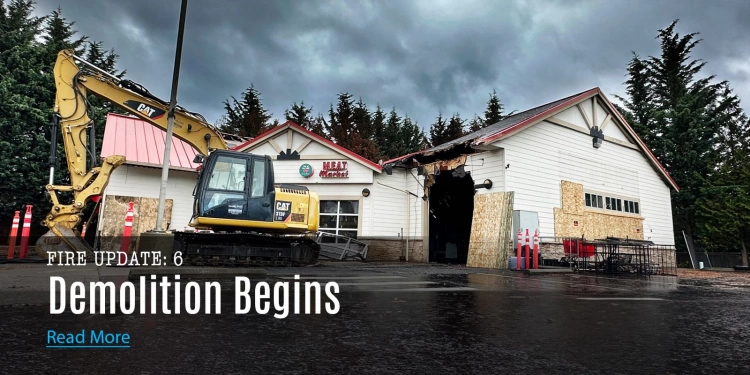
[[421, 57]]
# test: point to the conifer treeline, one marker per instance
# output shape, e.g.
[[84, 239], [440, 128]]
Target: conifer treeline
[[377, 134]]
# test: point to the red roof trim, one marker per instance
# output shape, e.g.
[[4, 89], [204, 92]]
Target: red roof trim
[[583, 96], [538, 117], [324, 141], [543, 115], [640, 141]]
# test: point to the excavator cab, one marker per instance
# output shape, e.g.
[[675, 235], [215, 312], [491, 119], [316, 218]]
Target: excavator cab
[[235, 186], [236, 192]]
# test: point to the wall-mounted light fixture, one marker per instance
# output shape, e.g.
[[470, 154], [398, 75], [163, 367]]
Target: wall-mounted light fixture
[[486, 184], [365, 192], [598, 136]]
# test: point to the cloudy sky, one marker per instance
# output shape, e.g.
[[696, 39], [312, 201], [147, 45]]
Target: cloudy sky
[[420, 56]]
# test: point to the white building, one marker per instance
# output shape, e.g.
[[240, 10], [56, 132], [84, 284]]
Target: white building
[[575, 163], [357, 199]]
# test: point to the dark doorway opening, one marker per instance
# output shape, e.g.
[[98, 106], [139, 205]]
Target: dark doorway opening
[[451, 211]]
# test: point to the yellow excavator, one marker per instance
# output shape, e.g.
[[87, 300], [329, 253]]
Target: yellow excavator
[[250, 219]]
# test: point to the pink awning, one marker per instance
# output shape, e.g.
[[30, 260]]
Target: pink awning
[[143, 144]]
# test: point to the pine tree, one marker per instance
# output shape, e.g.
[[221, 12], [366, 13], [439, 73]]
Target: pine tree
[[639, 107], [25, 109], [378, 125], [392, 136], [247, 118], [341, 121], [438, 131], [319, 125], [494, 112], [455, 127], [300, 115], [681, 115], [477, 123], [413, 137], [58, 35]]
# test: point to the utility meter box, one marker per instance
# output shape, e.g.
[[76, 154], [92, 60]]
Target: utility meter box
[[523, 220]]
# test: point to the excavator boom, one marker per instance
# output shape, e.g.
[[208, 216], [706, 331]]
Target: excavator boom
[[236, 195]]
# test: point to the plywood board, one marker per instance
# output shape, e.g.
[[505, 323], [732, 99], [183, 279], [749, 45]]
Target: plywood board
[[144, 219], [574, 220], [491, 228]]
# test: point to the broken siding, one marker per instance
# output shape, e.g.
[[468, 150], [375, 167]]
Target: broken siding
[[143, 182], [536, 169]]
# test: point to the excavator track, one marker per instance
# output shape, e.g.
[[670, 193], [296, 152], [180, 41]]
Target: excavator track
[[245, 249]]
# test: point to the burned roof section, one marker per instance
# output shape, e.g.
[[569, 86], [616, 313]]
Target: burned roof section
[[463, 145]]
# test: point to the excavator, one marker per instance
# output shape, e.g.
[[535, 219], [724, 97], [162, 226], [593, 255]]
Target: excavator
[[241, 215]]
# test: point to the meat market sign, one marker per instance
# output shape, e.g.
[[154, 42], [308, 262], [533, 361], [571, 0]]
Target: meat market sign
[[334, 169]]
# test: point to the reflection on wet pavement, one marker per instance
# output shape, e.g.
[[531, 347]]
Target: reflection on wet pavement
[[419, 320]]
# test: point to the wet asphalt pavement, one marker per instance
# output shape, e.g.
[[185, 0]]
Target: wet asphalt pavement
[[405, 319]]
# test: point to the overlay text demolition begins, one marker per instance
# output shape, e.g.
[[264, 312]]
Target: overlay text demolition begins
[[108, 298]]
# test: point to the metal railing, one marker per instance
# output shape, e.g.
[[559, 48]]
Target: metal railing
[[338, 247]]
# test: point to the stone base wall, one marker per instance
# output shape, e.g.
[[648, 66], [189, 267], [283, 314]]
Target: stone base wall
[[393, 249]]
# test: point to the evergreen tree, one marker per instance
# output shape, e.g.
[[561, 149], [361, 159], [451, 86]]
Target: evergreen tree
[[392, 136], [681, 116], [455, 127], [341, 121], [438, 131], [378, 125], [413, 137], [25, 109], [476, 124], [247, 117], [319, 125], [58, 35], [300, 115], [494, 112], [639, 107]]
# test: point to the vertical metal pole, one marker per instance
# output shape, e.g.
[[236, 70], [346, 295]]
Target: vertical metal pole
[[170, 120], [54, 126]]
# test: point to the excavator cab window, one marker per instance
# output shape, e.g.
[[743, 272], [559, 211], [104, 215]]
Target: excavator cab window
[[237, 186]]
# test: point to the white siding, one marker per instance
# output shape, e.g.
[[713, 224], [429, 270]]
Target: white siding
[[387, 205], [613, 131], [487, 165], [128, 180], [542, 155], [414, 184]]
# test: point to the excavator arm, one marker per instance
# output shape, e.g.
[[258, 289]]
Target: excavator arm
[[256, 220], [73, 84]]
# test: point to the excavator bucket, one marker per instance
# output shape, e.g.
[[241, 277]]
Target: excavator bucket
[[61, 238]]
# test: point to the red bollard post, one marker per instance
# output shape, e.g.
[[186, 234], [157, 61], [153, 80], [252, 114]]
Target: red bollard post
[[25, 232], [528, 250], [536, 249], [518, 251], [127, 230], [13, 234]]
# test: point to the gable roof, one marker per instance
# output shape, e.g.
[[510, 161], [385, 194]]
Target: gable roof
[[325, 142], [519, 121], [143, 144]]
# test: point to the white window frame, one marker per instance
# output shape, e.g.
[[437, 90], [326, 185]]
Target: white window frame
[[613, 198], [338, 229]]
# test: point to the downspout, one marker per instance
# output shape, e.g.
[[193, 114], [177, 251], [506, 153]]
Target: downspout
[[408, 226]]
